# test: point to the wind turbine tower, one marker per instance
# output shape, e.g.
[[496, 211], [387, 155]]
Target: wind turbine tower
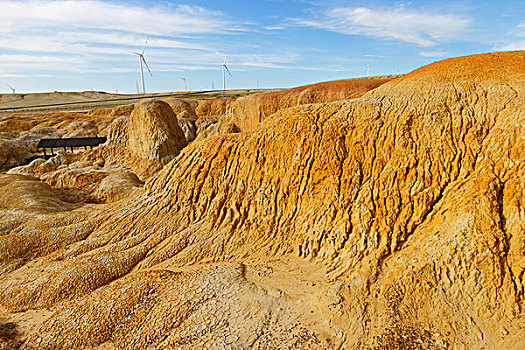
[[184, 79], [12, 88], [225, 67], [368, 69], [142, 59]]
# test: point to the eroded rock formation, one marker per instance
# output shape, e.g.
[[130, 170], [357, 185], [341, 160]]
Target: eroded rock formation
[[246, 113], [394, 220], [19, 134], [197, 116], [139, 143]]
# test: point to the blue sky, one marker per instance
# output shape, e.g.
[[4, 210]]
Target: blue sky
[[48, 45]]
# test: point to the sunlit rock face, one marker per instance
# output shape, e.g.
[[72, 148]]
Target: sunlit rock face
[[246, 113], [393, 220], [153, 132]]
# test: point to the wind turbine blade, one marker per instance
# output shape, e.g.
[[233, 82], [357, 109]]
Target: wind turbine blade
[[144, 60], [9, 86], [225, 66], [144, 49], [136, 53], [225, 55]]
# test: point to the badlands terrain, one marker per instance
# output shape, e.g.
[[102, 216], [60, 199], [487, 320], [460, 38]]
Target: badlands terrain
[[374, 213]]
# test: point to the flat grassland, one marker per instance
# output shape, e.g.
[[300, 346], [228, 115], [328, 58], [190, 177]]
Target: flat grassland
[[86, 100]]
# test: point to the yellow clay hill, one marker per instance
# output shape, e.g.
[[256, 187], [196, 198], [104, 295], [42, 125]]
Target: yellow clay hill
[[395, 220]]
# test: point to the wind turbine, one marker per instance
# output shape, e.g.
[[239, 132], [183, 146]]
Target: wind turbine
[[184, 79], [224, 66], [142, 59], [12, 88]]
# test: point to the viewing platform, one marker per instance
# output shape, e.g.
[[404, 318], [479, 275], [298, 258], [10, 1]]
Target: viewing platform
[[69, 143]]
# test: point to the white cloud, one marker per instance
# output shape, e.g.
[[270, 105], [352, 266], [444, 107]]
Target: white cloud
[[30, 65], [97, 35], [84, 36], [517, 44], [7, 75], [94, 14], [88, 26], [417, 27], [512, 46], [89, 42], [433, 53], [275, 28]]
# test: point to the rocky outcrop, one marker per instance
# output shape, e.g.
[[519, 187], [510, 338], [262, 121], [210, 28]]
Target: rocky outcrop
[[139, 143], [394, 220], [196, 116], [184, 109], [116, 186], [145, 141], [153, 132], [14, 152], [20, 133], [82, 178]]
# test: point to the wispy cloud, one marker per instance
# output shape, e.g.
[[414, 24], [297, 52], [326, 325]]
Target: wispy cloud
[[7, 75], [93, 14], [83, 36], [95, 35], [21, 64], [280, 27], [77, 27], [88, 42], [399, 23], [517, 44], [511, 46], [433, 53]]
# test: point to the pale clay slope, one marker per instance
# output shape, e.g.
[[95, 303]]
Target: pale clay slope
[[391, 220]]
